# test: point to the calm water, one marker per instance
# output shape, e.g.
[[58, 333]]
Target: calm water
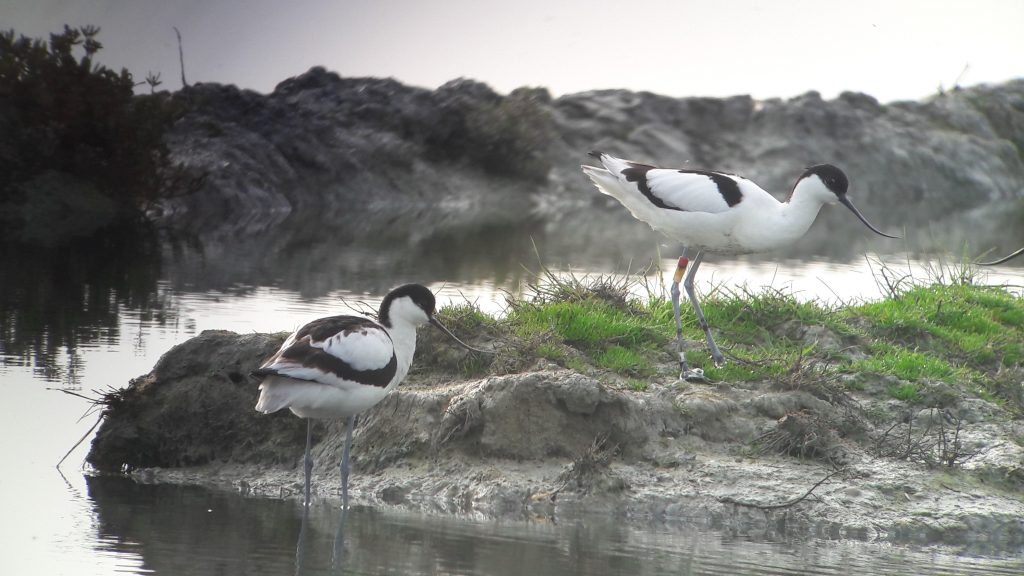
[[148, 529], [91, 314]]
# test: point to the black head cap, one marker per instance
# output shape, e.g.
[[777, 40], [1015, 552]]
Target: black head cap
[[834, 178], [420, 295]]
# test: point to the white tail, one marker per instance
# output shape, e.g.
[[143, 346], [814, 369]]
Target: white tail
[[605, 181], [272, 397]]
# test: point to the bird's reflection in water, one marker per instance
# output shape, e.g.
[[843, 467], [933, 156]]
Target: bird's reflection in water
[[338, 553]]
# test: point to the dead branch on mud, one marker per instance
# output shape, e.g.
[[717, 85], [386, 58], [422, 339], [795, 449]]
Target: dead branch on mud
[[787, 504]]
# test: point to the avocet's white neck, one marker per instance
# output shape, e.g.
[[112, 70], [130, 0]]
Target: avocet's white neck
[[798, 215], [795, 216], [403, 317], [403, 336]]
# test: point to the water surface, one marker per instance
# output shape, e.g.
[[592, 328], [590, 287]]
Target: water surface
[[182, 530]]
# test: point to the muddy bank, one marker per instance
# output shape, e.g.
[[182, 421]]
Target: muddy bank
[[549, 441]]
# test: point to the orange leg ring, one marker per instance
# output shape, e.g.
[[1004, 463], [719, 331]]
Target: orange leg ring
[[681, 269]]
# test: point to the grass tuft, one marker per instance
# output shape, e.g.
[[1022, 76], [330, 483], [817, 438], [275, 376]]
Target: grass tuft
[[596, 315], [952, 333], [637, 385], [904, 364], [624, 360], [982, 327], [907, 392]]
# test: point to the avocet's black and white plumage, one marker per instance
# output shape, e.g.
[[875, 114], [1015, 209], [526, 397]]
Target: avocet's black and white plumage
[[1004, 258], [339, 366], [717, 212]]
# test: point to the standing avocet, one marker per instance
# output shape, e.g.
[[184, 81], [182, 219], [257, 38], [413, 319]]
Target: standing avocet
[[336, 367], [717, 212]]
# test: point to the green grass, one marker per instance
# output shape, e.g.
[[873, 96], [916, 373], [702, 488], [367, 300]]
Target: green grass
[[752, 317], [469, 324], [981, 327], [550, 352], [908, 392], [949, 332], [466, 318], [905, 364], [745, 365], [577, 364], [588, 324], [624, 360], [637, 385], [619, 338]]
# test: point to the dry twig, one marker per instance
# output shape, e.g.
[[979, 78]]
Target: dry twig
[[786, 504]]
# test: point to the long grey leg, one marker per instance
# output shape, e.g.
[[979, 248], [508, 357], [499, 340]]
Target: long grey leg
[[308, 461], [344, 461], [680, 269], [716, 354]]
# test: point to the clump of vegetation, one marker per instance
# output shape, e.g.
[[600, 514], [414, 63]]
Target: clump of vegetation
[[932, 437], [803, 435], [596, 316], [590, 470], [437, 352], [63, 113], [904, 364], [981, 327], [908, 392], [945, 329], [923, 346], [948, 328], [637, 385], [756, 317]]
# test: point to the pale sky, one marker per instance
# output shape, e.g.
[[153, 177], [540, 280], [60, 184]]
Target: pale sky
[[891, 49]]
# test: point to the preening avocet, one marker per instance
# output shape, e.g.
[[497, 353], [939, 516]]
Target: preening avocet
[[1003, 259], [717, 212], [336, 367]]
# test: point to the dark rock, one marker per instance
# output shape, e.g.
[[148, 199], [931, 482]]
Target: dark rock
[[323, 143]]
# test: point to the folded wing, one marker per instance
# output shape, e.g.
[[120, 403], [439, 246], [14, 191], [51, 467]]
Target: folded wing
[[338, 350]]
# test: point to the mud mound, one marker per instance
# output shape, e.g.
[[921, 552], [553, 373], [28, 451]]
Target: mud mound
[[195, 407], [551, 440]]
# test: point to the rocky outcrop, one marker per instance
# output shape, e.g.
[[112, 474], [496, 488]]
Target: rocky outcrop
[[330, 145], [549, 441]]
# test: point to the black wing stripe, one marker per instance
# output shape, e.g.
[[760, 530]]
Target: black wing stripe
[[303, 353], [727, 187], [638, 173]]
